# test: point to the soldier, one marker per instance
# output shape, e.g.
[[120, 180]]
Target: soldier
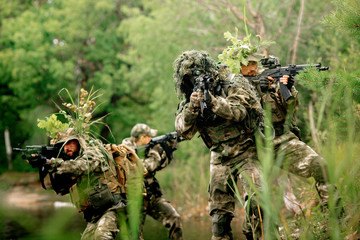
[[97, 176], [154, 160], [226, 112], [97, 186], [299, 158]]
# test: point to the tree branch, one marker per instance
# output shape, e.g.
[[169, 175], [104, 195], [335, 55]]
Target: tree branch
[[286, 21], [251, 9], [313, 129], [259, 21], [259, 6], [237, 14]]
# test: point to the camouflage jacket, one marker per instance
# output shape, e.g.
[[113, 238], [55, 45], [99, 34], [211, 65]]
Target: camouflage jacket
[[92, 160], [113, 165], [234, 117], [283, 112]]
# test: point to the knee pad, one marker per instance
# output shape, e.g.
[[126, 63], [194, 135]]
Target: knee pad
[[221, 225]]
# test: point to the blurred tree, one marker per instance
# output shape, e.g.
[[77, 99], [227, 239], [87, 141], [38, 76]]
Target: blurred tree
[[126, 48], [346, 17], [330, 91], [157, 33], [50, 45]]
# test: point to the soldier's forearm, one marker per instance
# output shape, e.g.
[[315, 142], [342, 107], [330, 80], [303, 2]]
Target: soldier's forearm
[[74, 167], [185, 124]]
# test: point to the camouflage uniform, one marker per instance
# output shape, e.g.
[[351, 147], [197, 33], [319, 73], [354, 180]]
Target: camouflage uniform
[[97, 186], [299, 158], [154, 204], [227, 128]]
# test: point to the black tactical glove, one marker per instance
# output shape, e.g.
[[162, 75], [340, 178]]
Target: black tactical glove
[[37, 161], [290, 82], [173, 144], [168, 150], [264, 84]]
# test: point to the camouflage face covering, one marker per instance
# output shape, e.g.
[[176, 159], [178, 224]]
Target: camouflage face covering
[[187, 62]]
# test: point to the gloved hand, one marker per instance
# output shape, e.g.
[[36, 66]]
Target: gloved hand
[[167, 149], [173, 144], [290, 82], [37, 161], [264, 84]]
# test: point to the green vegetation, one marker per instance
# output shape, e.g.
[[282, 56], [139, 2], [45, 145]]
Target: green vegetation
[[126, 48]]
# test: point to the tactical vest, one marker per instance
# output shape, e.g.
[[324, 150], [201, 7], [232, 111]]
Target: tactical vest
[[215, 129], [98, 189]]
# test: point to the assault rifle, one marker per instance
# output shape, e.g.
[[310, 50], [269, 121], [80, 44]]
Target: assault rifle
[[276, 71], [203, 82], [36, 156], [163, 141]]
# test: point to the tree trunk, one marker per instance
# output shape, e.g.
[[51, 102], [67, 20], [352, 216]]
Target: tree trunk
[[313, 129], [297, 37], [8, 148]]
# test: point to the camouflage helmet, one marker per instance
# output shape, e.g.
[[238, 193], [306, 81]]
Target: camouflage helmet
[[189, 60], [142, 129], [63, 137], [255, 57]]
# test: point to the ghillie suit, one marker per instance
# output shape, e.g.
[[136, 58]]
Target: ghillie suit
[[228, 126]]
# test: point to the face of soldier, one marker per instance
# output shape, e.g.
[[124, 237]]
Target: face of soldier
[[71, 147], [143, 140], [249, 70]]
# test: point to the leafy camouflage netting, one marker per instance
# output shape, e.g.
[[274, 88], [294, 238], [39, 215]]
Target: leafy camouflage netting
[[242, 51], [78, 120], [190, 60]]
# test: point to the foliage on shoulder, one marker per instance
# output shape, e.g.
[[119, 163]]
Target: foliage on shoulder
[[239, 50], [52, 125]]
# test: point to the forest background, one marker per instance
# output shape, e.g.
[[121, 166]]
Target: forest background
[[126, 49]]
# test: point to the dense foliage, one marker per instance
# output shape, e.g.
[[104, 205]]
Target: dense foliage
[[126, 48]]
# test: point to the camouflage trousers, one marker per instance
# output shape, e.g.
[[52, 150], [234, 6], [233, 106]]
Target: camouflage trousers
[[299, 159], [105, 228], [224, 175], [161, 210]]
